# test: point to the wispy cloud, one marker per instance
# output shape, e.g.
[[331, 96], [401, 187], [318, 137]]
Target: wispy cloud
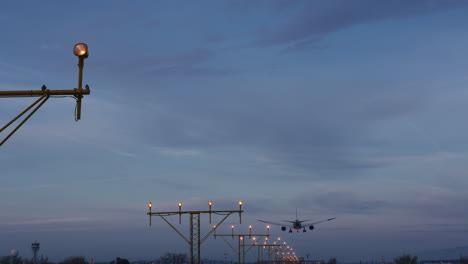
[[318, 19], [178, 152], [52, 221]]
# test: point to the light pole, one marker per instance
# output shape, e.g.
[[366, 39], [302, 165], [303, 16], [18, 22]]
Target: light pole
[[81, 51]]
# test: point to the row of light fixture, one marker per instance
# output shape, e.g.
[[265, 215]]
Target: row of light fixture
[[210, 203]]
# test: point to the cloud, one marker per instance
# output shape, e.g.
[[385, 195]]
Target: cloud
[[426, 203], [190, 62], [321, 18], [178, 152], [344, 202], [50, 221]]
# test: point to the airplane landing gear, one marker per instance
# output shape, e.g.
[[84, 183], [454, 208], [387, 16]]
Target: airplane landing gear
[[304, 230], [290, 231]]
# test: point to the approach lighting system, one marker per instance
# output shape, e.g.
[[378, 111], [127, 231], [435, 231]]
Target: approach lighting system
[[180, 212], [81, 50], [210, 203], [149, 208], [195, 240], [240, 209], [243, 240]]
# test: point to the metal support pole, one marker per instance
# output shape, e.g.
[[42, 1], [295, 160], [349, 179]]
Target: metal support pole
[[239, 250], [243, 249], [191, 241], [195, 237], [198, 241], [80, 87]]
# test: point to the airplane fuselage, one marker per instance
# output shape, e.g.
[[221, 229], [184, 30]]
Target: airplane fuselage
[[297, 225]]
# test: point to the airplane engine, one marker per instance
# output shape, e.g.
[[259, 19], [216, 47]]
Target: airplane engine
[[311, 227], [283, 228]]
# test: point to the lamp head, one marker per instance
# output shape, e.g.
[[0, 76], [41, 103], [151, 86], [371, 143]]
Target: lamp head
[[81, 50], [150, 205]]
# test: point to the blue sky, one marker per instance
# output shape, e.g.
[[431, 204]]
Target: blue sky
[[354, 109]]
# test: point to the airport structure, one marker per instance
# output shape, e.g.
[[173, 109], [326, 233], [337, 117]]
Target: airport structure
[[195, 240], [35, 248], [81, 51], [242, 247]]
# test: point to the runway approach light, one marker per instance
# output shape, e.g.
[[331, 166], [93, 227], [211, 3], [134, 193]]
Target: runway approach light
[[240, 209], [81, 50], [149, 207], [210, 203], [180, 212]]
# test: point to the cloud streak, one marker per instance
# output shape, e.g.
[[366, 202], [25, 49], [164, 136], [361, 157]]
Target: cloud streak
[[51, 221], [319, 19]]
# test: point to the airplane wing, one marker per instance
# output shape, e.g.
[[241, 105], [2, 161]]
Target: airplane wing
[[318, 222], [271, 223]]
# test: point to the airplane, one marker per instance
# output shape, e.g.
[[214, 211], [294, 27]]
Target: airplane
[[297, 224]]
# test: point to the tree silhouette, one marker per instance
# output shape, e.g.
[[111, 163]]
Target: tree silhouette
[[406, 259], [174, 258], [120, 261], [464, 260], [74, 260], [332, 261]]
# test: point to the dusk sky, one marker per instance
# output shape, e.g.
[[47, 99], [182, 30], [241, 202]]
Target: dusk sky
[[348, 109]]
